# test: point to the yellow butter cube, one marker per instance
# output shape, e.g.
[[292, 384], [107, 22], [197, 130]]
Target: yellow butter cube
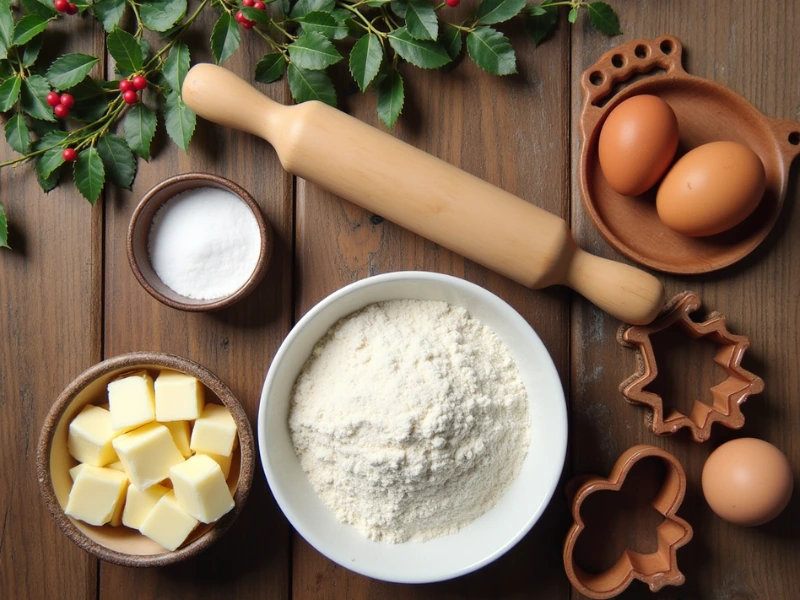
[[180, 435], [96, 495], [179, 397], [147, 453], [117, 466], [168, 524], [73, 472], [201, 489], [90, 435], [224, 462], [214, 432], [139, 503], [131, 401]]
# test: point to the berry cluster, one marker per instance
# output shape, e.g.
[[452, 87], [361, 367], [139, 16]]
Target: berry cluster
[[61, 104], [244, 21], [130, 87], [63, 6]]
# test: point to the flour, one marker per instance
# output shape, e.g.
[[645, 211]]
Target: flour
[[410, 419]]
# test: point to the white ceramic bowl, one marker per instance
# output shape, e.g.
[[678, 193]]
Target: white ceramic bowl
[[480, 542]]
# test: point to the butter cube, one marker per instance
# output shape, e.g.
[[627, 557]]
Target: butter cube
[[168, 524], [180, 435], [147, 453], [139, 503], [117, 466], [96, 495], [73, 472], [179, 397], [90, 435], [214, 432], [116, 518], [132, 401], [224, 462], [201, 489]]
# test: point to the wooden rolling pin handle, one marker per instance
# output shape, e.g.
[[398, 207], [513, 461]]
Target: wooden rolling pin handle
[[423, 193]]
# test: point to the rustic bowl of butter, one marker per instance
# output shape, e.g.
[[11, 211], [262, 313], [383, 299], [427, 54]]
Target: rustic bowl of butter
[[145, 459], [198, 242]]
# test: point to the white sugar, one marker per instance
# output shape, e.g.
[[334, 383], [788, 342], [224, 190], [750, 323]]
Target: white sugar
[[204, 243]]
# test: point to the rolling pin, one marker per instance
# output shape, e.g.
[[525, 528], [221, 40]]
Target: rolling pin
[[424, 194]]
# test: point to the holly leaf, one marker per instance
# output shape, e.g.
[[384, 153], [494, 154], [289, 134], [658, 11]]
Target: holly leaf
[[125, 51], [49, 182], [145, 46], [365, 60], [225, 38], [324, 23], [498, 11], [109, 12], [118, 161], [179, 119], [390, 98], [3, 229], [89, 174], [6, 29], [91, 100], [399, 7], [52, 158], [491, 51], [424, 54], [139, 127], [37, 7], [541, 21], [271, 67], [177, 66], [421, 21], [303, 7], [451, 41], [70, 69], [33, 101], [17, 134], [27, 28], [603, 18], [31, 52], [310, 85], [572, 15], [258, 16], [9, 92], [5, 71], [160, 15], [313, 51]]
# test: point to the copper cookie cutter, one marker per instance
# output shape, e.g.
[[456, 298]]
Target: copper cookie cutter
[[657, 569], [728, 395]]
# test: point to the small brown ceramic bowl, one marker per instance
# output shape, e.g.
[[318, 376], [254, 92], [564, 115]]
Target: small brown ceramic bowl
[[139, 232], [122, 545]]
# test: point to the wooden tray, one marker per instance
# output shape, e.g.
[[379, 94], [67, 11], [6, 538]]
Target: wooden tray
[[706, 111]]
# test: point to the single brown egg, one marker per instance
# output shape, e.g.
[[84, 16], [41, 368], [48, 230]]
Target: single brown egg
[[747, 481], [711, 189], [637, 144]]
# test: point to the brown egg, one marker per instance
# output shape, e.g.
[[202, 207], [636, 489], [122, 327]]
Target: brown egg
[[711, 189], [747, 481], [637, 144]]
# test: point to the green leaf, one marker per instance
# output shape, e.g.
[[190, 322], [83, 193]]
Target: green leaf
[[70, 69], [17, 134], [118, 161], [313, 51], [91, 100], [109, 12], [31, 52], [421, 53], [160, 15], [310, 85], [603, 18], [225, 38], [6, 72], [390, 98], [271, 67], [498, 11], [9, 92], [34, 94], [6, 29], [179, 119], [49, 182], [572, 16], [324, 23], [89, 174], [541, 21], [491, 51], [177, 66], [303, 7], [52, 159], [126, 52], [258, 16], [3, 229], [145, 46], [399, 7], [365, 60], [139, 128], [37, 7], [451, 40], [421, 21], [28, 28]]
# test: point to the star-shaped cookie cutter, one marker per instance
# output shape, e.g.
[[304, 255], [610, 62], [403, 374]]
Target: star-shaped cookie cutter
[[728, 395]]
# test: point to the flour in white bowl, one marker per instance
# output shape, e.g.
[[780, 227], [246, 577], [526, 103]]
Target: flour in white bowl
[[410, 419]]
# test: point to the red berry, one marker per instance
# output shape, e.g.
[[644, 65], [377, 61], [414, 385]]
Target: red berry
[[61, 5], [259, 5], [130, 97], [72, 9], [239, 17], [125, 85], [248, 24], [139, 82], [69, 154], [67, 100], [61, 111], [453, 3], [52, 99], [248, 2]]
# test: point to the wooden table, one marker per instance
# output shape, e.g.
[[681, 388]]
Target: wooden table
[[68, 300]]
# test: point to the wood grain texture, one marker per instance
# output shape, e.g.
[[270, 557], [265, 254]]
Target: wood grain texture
[[752, 48]]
